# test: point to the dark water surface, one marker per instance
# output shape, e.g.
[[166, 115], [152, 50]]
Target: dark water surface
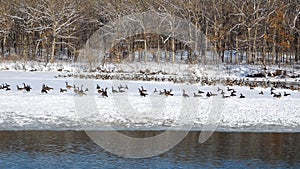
[[72, 149]]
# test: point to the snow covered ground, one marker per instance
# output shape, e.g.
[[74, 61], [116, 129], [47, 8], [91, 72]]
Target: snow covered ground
[[20, 110]]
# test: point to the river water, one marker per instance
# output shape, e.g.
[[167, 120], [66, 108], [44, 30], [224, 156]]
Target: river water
[[74, 149]]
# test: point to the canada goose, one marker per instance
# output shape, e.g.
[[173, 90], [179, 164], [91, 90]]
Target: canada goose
[[27, 88], [225, 97], [142, 93], [5, 86], [113, 90], [197, 95], [228, 89], [232, 94], [86, 90], [222, 93], [208, 94], [63, 90], [76, 90], [219, 89], [242, 96], [98, 87], [184, 94], [272, 88], [126, 87], [277, 95], [200, 92], [121, 86], [19, 88], [120, 89], [47, 87], [155, 91], [261, 93], [168, 93], [272, 93], [44, 91], [104, 93], [286, 94], [68, 86], [81, 93], [212, 94]]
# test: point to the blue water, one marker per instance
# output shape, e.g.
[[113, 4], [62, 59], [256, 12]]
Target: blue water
[[71, 149]]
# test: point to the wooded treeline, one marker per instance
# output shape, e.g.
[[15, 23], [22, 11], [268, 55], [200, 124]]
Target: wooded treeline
[[251, 31]]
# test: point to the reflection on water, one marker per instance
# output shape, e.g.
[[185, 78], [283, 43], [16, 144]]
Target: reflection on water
[[71, 149]]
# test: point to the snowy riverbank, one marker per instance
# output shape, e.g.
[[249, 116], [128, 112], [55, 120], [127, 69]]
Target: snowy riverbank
[[21, 110]]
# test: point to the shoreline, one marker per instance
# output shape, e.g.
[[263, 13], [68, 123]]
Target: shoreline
[[295, 130], [34, 110]]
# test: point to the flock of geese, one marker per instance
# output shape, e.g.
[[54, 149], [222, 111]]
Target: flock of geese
[[104, 92]]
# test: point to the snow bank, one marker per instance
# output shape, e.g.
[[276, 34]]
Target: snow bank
[[55, 111]]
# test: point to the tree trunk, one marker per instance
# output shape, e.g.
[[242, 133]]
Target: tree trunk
[[3, 46], [296, 43], [264, 52], [158, 50], [53, 50], [237, 50], [274, 47], [173, 50], [249, 59]]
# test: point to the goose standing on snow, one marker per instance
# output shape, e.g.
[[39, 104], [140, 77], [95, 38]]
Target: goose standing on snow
[[63, 90], [184, 94], [68, 86], [225, 97], [142, 93], [19, 88], [113, 90], [25, 87], [228, 89], [277, 95], [286, 94], [242, 96], [126, 87], [197, 95], [44, 90], [47, 87], [168, 93], [81, 92], [121, 90], [104, 93], [232, 94]]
